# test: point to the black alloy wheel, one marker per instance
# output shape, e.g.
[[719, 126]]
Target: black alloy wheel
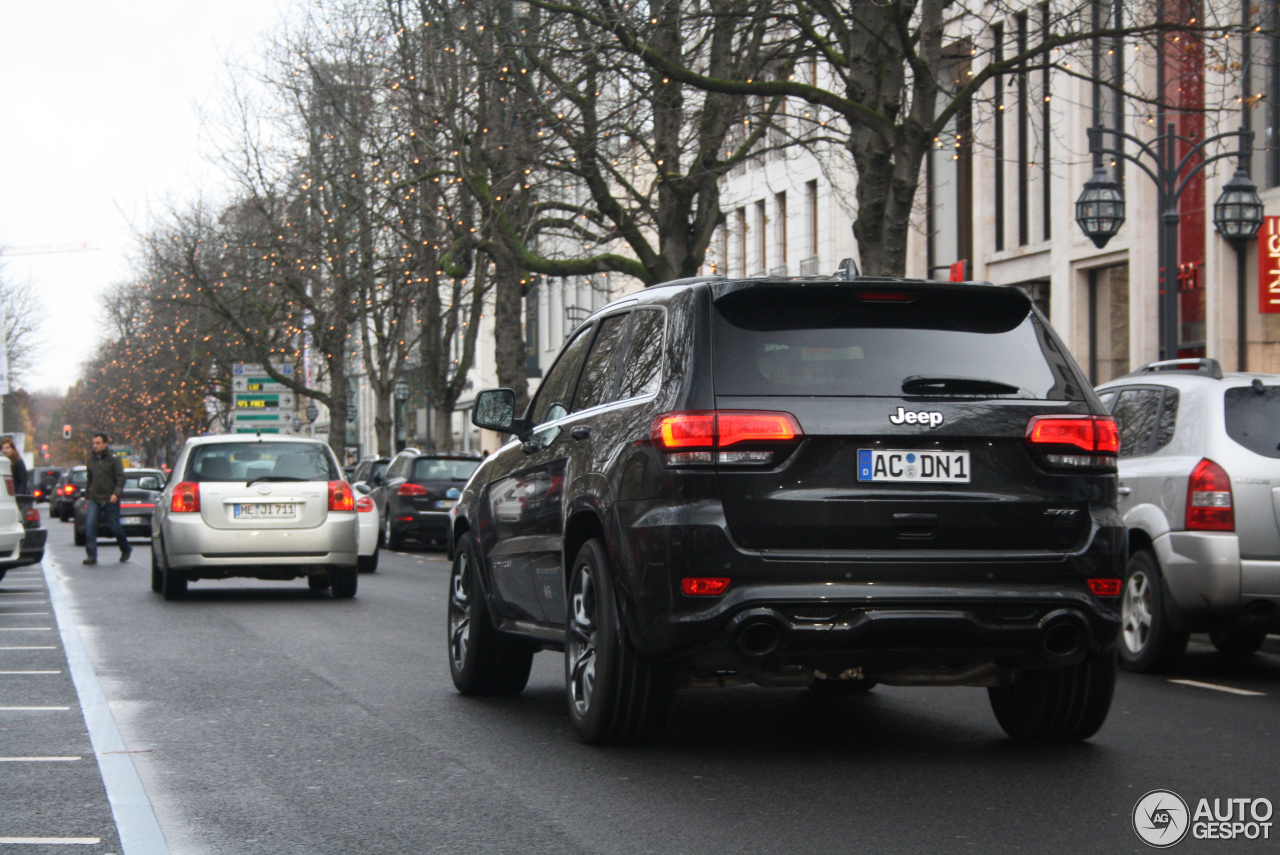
[[481, 660], [615, 695]]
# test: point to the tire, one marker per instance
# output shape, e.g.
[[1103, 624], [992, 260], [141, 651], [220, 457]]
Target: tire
[[368, 563], [481, 660], [345, 580], [2, 572], [1147, 643], [1237, 641], [395, 540], [842, 687], [615, 695], [1058, 704], [78, 537], [157, 575], [319, 583], [175, 584]]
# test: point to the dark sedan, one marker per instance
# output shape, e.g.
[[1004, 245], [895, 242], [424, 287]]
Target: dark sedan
[[138, 502], [417, 492], [62, 500]]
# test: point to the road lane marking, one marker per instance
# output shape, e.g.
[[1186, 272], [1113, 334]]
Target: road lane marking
[[37, 759], [25, 628], [34, 709], [1197, 684], [30, 672], [29, 647], [42, 602], [20, 614], [51, 840], [136, 823]]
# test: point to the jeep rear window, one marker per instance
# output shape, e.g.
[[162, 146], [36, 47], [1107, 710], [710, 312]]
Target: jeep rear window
[[830, 341], [1253, 419]]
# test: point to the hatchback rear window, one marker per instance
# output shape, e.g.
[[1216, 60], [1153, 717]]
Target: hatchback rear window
[[1253, 418], [427, 469], [841, 341], [248, 461], [80, 478]]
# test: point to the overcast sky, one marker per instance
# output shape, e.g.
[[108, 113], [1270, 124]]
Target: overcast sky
[[101, 107]]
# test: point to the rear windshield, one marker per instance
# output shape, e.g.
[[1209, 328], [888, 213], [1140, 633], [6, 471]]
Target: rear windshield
[[80, 478], [143, 481], [828, 341], [247, 461], [426, 469], [1253, 419]]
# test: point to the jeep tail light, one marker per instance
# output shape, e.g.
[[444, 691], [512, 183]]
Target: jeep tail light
[[703, 586], [410, 489], [37, 493], [340, 496], [694, 437], [186, 498], [68, 489], [1097, 439], [1209, 506], [364, 504], [1105, 587]]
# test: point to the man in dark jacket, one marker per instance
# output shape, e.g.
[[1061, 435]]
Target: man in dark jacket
[[102, 493]]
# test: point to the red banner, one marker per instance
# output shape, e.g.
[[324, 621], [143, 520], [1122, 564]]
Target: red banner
[[1269, 266]]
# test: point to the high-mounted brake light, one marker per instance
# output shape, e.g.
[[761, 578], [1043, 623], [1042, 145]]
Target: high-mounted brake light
[[1209, 505], [689, 437], [703, 586], [408, 488], [340, 496], [185, 498], [364, 504], [1097, 436]]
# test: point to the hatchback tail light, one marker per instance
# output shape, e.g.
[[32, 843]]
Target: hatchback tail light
[[411, 489], [1209, 506], [8, 485], [186, 498], [364, 504], [692, 437], [340, 496], [1097, 439], [33, 516]]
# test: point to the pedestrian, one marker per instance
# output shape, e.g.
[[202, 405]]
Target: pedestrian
[[16, 465], [102, 497]]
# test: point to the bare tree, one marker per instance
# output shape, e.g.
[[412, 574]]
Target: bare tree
[[23, 317]]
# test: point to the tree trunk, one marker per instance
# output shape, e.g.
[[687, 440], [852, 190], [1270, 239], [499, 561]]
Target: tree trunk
[[382, 427], [442, 429], [510, 350]]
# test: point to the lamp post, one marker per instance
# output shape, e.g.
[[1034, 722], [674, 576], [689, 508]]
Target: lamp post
[[1100, 208], [1237, 215], [401, 390]]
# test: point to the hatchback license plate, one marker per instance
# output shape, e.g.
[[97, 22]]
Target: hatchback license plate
[[260, 510], [945, 467], [131, 521]]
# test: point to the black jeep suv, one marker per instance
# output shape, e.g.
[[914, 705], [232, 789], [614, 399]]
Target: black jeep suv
[[829, 482]]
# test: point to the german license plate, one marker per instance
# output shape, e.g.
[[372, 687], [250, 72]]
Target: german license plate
[[264, 510], [937, 467], [446, 503], [131, 521]]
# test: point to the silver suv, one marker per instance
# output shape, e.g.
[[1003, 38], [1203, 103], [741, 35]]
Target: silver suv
[[1200, 495]]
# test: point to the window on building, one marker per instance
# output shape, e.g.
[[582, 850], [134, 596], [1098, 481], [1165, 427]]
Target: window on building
[[1108, 336], [1024, 135], [762, 237], [997, 56], [1267, 80], [811, 198], [742, 241], [949, 174], [780, 229], [1046, 122]]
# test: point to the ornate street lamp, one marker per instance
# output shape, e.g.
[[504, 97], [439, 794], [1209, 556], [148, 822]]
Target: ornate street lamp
[[1237, 215], [1100, 208], [401, 389]]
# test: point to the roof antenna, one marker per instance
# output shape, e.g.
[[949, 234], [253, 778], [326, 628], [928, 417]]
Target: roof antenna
[[848, 269]]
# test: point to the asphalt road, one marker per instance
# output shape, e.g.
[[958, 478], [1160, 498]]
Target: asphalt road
[[261, 718]]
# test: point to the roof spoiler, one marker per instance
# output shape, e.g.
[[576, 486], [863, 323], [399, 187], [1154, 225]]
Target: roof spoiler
[[1204, 366]]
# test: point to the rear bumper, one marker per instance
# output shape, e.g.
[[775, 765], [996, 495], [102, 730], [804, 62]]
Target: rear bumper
[[30, 552], [1207, 581], [907, 616], [191, 544], [424, 525]]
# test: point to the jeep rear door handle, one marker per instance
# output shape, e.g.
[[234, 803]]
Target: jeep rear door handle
[[580, 432]]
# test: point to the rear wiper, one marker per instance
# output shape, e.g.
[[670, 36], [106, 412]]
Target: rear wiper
[[273, 478], [920, 384]]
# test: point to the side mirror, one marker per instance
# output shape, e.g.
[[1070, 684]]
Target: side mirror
[[495, 409], [362, 488]]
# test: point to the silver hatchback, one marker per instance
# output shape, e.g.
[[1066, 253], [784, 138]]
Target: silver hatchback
[[264, 507], [1200, 493]]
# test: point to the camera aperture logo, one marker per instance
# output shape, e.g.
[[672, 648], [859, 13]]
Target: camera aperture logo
[[1160, 818]]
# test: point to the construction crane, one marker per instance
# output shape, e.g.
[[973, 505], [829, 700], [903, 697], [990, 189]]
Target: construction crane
[[48, 248]]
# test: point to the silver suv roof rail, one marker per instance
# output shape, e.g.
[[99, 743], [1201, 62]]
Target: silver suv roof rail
[[1203, 365]]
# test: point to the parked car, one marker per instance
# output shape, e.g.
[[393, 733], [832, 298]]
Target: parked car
[[62, 502], [15, 551], [1200, 494], [142, 489], [417, 492], [370, 472], [370, 534], [43, 480], [829, 482], [266, 507]]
